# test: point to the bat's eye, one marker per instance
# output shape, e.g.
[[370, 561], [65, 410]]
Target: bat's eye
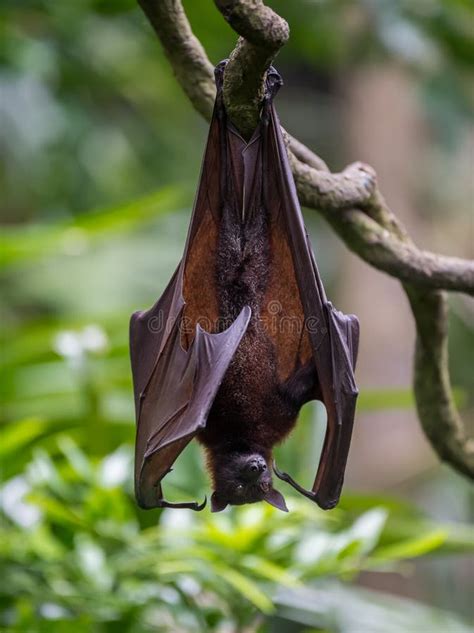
[[239, 488]]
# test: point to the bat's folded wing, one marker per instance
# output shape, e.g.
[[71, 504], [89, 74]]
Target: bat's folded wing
[[344, 334], [343, 339], [333, 337], [176, 400], [148, 333]]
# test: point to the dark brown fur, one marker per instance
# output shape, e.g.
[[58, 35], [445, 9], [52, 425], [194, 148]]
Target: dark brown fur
[[252, 411]]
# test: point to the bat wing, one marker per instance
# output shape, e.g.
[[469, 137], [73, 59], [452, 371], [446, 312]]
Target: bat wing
[[181, 301], [176, 400], [148, 333], [340, 398], [178, 363], [307, 325]]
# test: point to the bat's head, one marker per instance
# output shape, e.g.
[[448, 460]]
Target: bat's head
[[241, 478]]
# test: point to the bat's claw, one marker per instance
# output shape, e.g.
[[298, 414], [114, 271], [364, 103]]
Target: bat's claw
[[289, 480], [200, 506], [190, 505], [281, 475]]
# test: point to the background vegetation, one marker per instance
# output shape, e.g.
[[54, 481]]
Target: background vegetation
[[93, 119]]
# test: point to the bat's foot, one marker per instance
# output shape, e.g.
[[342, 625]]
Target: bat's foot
[[289, 480], [190, 505]]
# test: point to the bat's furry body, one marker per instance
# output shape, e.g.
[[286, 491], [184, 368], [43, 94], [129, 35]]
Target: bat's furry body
[[253, 411]]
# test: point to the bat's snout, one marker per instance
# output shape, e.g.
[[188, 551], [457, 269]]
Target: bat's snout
[[254, 467]]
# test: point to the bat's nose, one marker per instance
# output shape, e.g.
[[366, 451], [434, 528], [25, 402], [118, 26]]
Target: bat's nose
[[254, 467], [257, 465]]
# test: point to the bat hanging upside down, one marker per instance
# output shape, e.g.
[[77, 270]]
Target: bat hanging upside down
[[243, 335], [254, 409]]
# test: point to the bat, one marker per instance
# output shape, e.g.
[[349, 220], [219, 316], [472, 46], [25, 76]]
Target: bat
[[243, 334]]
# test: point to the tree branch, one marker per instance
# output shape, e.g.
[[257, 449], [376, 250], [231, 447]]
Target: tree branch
[[263, 33], [350, 201], [388, 250], [187, 57], [438, 415]]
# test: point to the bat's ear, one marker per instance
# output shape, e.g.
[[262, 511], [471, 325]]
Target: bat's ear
[[217, 503], [275, 498]]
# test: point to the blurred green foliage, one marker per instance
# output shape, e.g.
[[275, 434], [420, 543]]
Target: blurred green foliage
[[76, 551], [92, 118], [92, 114]]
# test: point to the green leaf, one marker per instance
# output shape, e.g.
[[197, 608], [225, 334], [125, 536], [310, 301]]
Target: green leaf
[[395, 399], [367, 529], [246, 588], [55, 510], [39, 240], [413, 547], [268, 570], [346, 609], [75, 457], [18, 434], [385, 399]]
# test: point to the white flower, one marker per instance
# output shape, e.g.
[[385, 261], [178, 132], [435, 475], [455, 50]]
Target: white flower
[[13, 504], [75, 345], [115, 468], [94, 339], [68, 344]]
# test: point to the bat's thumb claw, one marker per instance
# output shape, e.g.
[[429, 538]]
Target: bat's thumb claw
[[200, 506], [278, 472], [289, 480]]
